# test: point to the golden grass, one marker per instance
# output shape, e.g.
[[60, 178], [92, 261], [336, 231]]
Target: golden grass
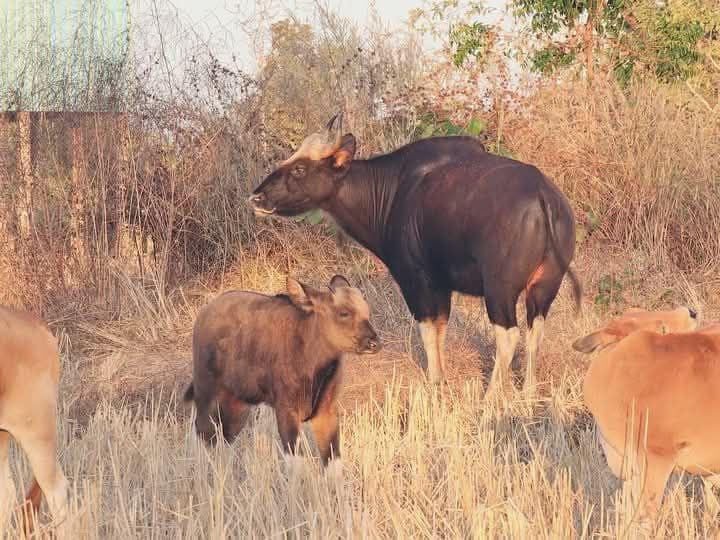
[[417, 465], [419, 462]]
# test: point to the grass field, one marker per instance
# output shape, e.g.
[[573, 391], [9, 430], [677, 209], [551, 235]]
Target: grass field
[[419, 461]]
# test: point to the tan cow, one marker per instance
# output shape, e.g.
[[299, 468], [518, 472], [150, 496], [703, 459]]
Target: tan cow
[[655, 397], [29, 374]]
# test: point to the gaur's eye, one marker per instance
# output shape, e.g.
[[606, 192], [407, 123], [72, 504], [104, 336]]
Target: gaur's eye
[[344, 314], [298, 171]]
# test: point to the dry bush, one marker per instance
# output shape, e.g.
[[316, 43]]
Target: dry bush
[[643, 162]]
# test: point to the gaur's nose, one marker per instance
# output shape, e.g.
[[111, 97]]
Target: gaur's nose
[[256, 198], [693, 313], [372, 342]]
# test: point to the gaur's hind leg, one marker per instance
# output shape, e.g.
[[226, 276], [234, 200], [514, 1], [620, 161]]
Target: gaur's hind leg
[[233, 415], [433, 330], [541, 290], [507, 334]]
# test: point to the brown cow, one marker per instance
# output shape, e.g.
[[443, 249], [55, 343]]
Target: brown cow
[[285, 351], [29, 375], [655, 399]]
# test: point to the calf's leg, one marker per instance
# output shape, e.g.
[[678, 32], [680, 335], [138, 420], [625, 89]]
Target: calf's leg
[[233, 415], [325, 423]]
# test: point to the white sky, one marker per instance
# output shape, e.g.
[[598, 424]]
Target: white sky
[[218, 22]]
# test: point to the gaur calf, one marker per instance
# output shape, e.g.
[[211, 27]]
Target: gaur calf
[[285, 351]]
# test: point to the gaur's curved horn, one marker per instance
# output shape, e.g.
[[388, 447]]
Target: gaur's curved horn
[[320, 145]]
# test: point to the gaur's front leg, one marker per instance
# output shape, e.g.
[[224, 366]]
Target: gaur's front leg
[[325, 422], [430, 306], [288, 421]]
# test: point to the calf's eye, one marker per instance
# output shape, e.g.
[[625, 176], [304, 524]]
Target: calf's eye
[[344, 314], [298, 172]]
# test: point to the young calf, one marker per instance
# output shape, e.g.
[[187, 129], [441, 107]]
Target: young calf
[[655, 399], [29, 374], [285, 351]]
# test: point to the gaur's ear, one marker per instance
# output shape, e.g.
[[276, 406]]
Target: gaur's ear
[[596, 340], [345, 153], [337, 282], [299, 294]]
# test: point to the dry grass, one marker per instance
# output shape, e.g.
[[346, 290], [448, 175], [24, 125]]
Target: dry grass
[[419, 462], [643, 161]]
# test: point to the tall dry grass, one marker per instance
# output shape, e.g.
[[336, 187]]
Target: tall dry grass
[[417, 464], [644, 161]]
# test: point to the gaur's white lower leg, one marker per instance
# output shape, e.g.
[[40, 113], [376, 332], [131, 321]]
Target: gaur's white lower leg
[[506, 340], [533, 338], [441, 325], [429, 335]]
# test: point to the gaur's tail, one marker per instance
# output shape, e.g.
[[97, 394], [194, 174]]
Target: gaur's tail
[[189, 393], [574, 281]]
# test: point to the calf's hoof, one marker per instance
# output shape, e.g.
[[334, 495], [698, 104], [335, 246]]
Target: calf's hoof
[[335, 471], [293, 465]]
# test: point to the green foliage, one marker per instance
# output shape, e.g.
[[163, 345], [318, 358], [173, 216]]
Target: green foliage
[[609, 292], [469, 40], [431, 126], [550, 58], [677, 55]]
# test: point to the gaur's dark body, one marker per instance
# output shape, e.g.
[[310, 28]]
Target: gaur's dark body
[[444, 215], [463, 220]]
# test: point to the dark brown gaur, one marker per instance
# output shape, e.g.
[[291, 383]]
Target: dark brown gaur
[[443, 215], [285, 351]]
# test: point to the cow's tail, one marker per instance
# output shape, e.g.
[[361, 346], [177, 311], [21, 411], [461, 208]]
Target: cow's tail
[[574, 281], [189, 393], [31, 507]]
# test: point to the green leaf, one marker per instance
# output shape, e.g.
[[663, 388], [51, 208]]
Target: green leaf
[[476, 127]]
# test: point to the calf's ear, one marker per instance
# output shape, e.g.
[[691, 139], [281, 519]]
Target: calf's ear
[[337, 282], [299, 294]]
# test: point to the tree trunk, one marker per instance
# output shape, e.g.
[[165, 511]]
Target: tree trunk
[[6, 151], [124, 171], [588, 45], [26, 172], [77, 208]]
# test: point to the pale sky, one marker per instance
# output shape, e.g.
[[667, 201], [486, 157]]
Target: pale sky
[[219, 22]]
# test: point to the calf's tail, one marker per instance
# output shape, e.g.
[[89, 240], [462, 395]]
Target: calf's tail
[[189, 393], [574, 281]]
